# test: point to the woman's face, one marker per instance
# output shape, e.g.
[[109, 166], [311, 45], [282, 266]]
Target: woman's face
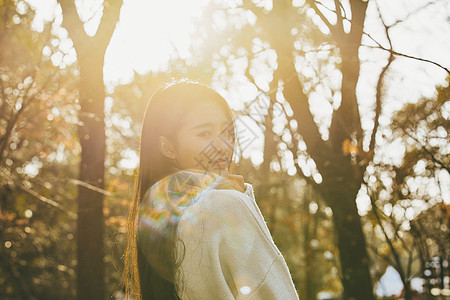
[[205, 139]]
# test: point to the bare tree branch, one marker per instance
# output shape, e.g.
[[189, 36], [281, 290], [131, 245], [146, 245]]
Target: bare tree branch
[[396, 256], [91, 187], [413, 12], [313, 5], [424, 148], [46, 200], [383, 257], [75, 27], [339, 19], [72, 23], [378, 102], [111, 12], [402, 54]]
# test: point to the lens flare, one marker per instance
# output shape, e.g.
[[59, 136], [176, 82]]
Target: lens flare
[[161, 209]]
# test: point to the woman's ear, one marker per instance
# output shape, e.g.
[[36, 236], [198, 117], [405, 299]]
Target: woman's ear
[[167, 147]]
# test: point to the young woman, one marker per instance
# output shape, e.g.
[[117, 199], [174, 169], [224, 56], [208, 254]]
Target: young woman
[[195, 230]]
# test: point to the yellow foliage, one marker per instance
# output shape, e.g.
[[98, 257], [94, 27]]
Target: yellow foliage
[[384, 250], [349, 148]]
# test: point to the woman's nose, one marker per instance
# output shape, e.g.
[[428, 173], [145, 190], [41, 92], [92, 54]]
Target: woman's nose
[[222, 145], [225, 141]]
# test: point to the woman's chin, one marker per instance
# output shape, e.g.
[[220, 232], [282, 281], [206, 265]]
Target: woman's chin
[[222, 171], [219, 169]]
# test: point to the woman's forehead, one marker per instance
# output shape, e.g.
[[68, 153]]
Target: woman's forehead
[[206, 114]]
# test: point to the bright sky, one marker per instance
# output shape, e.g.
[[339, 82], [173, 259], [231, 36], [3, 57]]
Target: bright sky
[[145, 37], [149, 31], [147, 34]]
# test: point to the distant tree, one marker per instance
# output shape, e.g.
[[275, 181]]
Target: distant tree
[[408, 208]]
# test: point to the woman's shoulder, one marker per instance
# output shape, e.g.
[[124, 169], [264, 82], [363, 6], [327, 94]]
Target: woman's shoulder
[[227, 209], [213, 205], [224, 201], [227, 220]]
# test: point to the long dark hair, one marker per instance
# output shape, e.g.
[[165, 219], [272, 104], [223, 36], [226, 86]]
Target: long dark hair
[[162, 116]]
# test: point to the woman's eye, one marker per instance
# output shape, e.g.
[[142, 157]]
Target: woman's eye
[[228, 134], [205, 133]]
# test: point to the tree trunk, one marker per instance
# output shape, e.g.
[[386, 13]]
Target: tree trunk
[[341, 178], [340, 194], [90, 229], [341, 182]]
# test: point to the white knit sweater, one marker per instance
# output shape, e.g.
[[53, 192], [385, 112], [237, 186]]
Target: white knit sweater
[[229, 251]]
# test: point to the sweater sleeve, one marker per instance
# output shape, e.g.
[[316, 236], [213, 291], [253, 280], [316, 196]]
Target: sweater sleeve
[[229, 252]]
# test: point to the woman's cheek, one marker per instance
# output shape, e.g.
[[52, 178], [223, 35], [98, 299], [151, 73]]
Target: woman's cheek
[[186, 152], [201, 145], [195, 153], [203, 152]]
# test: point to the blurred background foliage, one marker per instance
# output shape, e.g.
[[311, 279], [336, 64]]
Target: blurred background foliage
[[407, 214]]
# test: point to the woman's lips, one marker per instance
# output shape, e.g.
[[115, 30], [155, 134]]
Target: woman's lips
[[221, 162]]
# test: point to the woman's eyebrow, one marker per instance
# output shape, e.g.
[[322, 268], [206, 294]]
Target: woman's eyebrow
[[207, 124]]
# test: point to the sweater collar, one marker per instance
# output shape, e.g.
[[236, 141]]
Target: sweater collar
[[169, 196]]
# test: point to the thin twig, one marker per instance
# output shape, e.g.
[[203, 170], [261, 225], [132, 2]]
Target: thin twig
[[46, 200], [91, 187], [402, 54]]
